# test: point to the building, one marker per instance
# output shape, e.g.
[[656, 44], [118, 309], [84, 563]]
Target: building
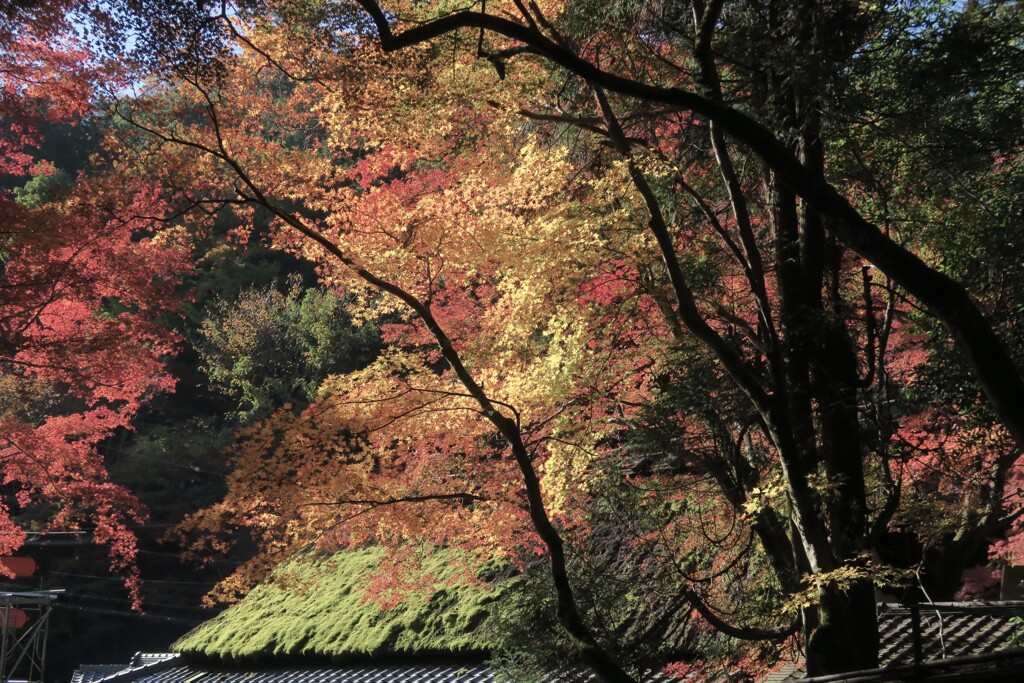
[[312, 624]]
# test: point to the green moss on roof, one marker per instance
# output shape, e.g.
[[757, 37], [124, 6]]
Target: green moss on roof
[[317, 609]]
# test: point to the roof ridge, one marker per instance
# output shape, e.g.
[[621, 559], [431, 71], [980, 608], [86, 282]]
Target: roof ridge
[[165, 661]]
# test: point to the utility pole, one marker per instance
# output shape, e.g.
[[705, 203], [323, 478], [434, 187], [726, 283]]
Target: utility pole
[[24, 625], [26, 621]]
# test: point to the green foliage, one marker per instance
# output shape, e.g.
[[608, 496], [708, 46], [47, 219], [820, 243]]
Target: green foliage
[[269, 348], [947, 75], [320, 607], [42, 189], [630, 577], [639, 621], [1017, 640]]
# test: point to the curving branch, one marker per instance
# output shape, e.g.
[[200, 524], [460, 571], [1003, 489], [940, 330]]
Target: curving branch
[[425, 498], [741, 632], [567, 609]]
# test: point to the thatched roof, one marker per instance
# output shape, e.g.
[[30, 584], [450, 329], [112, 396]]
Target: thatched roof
[[318, 608]]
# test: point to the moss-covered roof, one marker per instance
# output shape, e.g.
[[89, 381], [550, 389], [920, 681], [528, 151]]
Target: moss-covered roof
[[317, 608]]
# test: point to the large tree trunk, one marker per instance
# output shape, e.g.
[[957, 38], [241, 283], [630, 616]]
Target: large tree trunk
[[845, 637]]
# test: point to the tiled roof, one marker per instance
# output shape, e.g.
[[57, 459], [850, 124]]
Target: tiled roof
[[787, 673], [181, 672], [949, 630], [968, 631], [90, 673], [172, 669], [142, 663], [1005, 666]]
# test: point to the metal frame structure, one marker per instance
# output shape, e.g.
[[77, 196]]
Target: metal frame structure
[[23, 650]]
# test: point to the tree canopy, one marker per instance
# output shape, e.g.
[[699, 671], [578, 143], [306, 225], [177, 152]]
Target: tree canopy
[[709, 308]]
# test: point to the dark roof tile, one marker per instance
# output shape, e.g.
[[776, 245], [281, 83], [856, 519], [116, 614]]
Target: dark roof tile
[[89, 673], [454, 672], [949, 630]]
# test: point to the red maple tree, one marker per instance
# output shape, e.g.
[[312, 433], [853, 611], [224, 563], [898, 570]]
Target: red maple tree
[[85, 281]]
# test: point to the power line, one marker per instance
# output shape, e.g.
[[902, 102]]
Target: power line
[[84, 596], [144, 580], [192, 468], [37, 539], [135, 615]]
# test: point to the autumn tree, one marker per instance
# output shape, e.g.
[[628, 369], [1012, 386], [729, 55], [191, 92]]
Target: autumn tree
[[643, 244], [85, 284]]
